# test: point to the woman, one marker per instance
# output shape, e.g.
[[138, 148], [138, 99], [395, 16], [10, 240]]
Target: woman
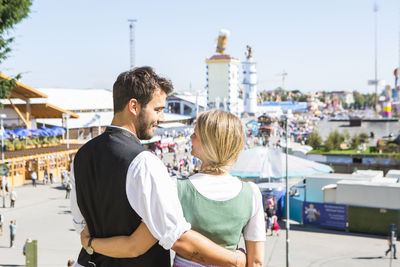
[[217, 205], [275, 225]]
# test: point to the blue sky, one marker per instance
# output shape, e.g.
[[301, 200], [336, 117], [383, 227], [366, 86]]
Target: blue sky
[[320, 44]]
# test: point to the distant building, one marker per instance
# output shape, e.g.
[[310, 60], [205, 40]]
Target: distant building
[[26, 106], [271, 111], [250, 83], [223, 83], [94, 107], [186, 104], [341, 97]]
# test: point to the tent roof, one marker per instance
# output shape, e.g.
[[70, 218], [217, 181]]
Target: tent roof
[[44, 110], [80, 99], [23, 91], [260, 162]]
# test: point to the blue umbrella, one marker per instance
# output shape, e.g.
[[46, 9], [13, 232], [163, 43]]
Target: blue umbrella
[[22, 132], [49, 131], [35, 132], [5, 135], [43, 132], [58, 130], [9, 133]]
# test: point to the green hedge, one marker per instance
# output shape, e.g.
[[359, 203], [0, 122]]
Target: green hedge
[[371, 220]]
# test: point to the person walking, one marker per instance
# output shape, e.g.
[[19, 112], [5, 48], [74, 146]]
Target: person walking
[[13, 198], [275, 225], [45, 177], [268, 214], [392, 241], [68, 188], [2, 221], [34, 178], [13, 232]]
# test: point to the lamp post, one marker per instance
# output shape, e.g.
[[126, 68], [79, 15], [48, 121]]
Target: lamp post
[[65, 117], [3, 179], [376, 56], [287, 192]]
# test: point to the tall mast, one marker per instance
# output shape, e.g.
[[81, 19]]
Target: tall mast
[[132, 42]]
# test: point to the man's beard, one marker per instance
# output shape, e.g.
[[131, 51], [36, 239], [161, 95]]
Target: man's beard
[[144, 129]]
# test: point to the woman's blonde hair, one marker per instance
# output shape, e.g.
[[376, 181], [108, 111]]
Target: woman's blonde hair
[[222, 138]]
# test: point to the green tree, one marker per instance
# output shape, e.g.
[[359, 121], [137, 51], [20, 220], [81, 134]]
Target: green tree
[[302, 98], [370, 100], [329, 145], [11, 12], [359, 100], [314, 140], [334, 140], [363, 138], [346, 135], [355, 141]]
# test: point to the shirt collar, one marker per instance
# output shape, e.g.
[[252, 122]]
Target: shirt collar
[[128, 132]]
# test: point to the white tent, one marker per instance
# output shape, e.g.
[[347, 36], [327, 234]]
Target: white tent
[[262, 162]]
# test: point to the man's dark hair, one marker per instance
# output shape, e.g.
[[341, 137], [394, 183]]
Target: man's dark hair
[[138, 83]]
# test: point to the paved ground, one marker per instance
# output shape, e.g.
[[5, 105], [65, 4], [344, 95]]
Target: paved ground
[[42, 213]]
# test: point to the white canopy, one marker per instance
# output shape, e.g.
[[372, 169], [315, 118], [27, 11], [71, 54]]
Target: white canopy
[[262, 162]]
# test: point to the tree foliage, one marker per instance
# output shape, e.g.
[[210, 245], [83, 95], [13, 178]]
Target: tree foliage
[[355, 141], [334, 140], [314, 140], [11, 12], [363, 138], [361, 101]]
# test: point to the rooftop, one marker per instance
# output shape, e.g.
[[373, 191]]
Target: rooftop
[[80, 99]]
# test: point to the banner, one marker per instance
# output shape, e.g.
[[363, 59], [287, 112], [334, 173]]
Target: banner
[[325, 215]]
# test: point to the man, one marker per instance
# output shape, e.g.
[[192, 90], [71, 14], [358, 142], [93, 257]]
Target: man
[[13, 198], [118, 187], [2, 221], [68, 189], [13, 232], [392, 241], [34, 177]]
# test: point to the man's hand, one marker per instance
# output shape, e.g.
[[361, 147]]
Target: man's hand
[[85, 236]]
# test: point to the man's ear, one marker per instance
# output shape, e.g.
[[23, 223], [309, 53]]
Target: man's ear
[[134, 106]]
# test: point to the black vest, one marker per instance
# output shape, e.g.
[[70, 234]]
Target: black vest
[[100, 169]]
